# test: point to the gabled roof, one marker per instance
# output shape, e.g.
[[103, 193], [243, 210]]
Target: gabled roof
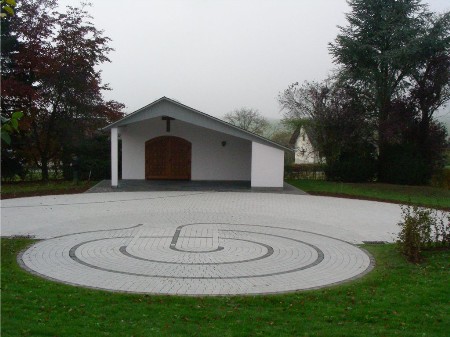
[[309, 132], [294, 137], [171, 108]]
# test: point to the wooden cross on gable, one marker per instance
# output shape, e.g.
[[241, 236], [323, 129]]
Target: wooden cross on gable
[[167, 119]]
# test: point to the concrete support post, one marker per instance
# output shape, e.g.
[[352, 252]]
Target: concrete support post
[[114, 157]]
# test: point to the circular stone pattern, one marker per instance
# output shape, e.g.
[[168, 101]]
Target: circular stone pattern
[[198, 259]]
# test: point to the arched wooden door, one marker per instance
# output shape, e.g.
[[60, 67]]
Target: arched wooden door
[[168, 157]]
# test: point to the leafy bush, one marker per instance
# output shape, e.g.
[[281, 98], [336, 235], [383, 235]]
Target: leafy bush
[[304, 171], [410, 160], [422, 228], [354, 165], [13, 165], [442, 178], [403, 164], [91, 157], [289, 158]]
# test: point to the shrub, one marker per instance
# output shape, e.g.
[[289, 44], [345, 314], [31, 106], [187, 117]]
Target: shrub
[[353, 165], [13, 165], [442, 178], [94, 158], [442, 229], [408, 159], [304, 171], [403, 164], [422, 228]]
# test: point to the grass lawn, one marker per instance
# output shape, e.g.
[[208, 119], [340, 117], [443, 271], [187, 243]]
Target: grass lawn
[[417, 195], [396, 299], [27, 189]]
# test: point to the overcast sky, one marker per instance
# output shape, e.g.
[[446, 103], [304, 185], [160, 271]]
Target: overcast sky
[[217, 55]]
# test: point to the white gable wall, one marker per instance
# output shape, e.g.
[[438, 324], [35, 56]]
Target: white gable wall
[[304, 151], [210, 160], [267, 166]]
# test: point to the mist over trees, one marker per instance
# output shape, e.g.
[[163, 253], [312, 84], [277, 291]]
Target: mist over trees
[[50, 73], [247, 119], [374, 118]]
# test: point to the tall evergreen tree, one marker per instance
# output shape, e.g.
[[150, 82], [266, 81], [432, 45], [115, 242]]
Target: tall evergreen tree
[[395, 50], [377, 50]]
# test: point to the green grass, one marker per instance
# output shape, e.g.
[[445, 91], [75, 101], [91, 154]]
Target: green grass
[[42, 188], [396, 299], [416, 195]]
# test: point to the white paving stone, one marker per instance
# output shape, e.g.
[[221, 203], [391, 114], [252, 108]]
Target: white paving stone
[[253, 260], [198, 243], [49, 216]]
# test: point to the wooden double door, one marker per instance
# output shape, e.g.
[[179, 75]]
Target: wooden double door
[[168, 158]]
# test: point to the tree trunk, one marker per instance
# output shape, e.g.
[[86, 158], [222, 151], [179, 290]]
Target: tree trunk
[[44, 168], [383, 140], [424, 130]]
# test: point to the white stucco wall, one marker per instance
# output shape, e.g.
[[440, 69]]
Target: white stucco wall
[[304, 151], [210, 160], [267, 166]]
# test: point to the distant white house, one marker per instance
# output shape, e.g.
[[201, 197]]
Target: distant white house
[[305, 146], [167, 140]]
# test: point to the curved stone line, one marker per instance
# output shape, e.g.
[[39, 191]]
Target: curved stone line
[[173, 244], [266, 226], [270, 251], [319, 259], [218, 249]]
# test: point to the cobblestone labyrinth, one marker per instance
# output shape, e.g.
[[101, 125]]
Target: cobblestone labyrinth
[[197, 259]]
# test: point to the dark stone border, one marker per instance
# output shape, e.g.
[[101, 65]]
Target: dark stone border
[[135, 185], [270, 251], [370, 267], [320, 257]]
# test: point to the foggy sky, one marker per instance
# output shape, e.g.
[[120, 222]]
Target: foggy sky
[[217, 55]]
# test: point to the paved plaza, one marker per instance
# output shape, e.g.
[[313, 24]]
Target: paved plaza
[[198, 243]]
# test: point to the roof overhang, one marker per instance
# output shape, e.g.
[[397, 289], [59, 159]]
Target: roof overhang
[[171, 108]]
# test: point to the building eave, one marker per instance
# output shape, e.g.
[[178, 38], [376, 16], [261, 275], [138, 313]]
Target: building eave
[[244, 133]]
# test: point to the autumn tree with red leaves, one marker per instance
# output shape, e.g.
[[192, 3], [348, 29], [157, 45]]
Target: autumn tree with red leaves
[[52, 76]]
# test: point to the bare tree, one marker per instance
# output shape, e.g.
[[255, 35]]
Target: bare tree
[[247, 119]]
